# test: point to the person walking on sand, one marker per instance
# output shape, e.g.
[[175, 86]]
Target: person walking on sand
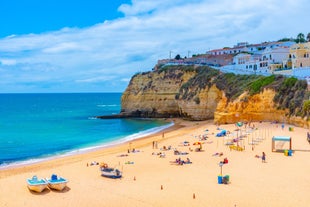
[[264, 157]]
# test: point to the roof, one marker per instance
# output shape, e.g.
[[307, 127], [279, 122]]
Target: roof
[[281, 138]]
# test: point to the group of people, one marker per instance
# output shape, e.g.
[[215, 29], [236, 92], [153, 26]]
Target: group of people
[[179, 161], [155, 144]]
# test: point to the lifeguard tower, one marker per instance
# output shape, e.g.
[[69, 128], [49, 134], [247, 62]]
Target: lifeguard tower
[[281, 139]]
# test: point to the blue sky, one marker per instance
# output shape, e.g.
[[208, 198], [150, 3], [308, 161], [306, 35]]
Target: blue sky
[[37, 16], [96, 46]]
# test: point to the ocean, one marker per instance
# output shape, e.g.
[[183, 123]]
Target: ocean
[[35, 127]]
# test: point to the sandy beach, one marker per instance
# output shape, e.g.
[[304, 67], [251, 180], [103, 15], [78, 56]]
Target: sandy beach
[[152, 180]]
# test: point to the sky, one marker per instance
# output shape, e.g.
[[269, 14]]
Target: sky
[[97, 46]]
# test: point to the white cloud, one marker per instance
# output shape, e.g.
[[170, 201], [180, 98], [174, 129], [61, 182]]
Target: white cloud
[[7, 62], [111, 52], [62, 47], [96, 79]]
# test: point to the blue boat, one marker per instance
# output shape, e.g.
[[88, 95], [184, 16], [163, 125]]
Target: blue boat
[[37, 185], [57, 183]]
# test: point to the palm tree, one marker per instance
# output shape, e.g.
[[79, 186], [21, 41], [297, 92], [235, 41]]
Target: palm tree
[[300, 38], [308, 37]]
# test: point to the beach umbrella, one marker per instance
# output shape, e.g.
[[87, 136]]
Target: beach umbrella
[[198, 143], [239, 124]]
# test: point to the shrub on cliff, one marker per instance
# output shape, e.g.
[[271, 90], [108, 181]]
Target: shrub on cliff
[[234, 85], [200, 81], [257, 85], [306, 108], [291, 94]]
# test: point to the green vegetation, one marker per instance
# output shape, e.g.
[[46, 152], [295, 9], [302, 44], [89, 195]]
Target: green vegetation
[[300, 38], [171, 68], [306, 108], [291, 94], [201, 80], [285, 39], [257, 85], [234, 85], [197, 100], [177, 57]]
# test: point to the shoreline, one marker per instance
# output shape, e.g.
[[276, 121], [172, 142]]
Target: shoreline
[[109, 148]]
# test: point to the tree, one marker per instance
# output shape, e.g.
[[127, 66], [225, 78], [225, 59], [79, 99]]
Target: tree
[[308, 37], [300, 38], [177, 57]]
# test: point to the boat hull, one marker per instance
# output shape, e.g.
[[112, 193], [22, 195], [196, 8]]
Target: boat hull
[[110, 173], [58, 184], [37, 186]]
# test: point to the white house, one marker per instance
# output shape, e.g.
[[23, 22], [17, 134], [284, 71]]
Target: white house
[[273, 56]]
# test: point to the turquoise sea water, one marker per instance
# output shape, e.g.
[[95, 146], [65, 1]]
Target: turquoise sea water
[[38, 126]]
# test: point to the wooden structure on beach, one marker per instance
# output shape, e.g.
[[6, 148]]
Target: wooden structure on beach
[[281, 139]]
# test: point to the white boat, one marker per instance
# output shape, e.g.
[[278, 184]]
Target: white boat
[[57, 183], [110, 172], [35, 184]]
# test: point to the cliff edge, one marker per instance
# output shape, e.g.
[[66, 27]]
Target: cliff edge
[[201, 93]]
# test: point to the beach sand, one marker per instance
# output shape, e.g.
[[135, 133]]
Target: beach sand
[[154, 181]]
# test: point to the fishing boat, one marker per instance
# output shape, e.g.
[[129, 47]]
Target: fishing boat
[[110, 172], [35, 184], [57, 183]]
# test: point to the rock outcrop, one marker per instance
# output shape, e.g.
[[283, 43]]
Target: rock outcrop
[[256, 108], [178, 93]]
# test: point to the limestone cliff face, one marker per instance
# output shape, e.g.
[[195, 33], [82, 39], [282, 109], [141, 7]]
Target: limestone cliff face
[[205, 109], [255, 108], [159, 94], [156, 95], [259, 107], [153, 94]]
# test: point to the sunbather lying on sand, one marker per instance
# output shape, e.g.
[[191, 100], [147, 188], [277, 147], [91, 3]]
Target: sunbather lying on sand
[[179, 161], [218, 154], [177, 152]]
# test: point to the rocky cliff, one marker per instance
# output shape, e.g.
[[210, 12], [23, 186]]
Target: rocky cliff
[[200, 93]]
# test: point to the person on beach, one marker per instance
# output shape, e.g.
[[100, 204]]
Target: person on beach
[[264, 157]]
